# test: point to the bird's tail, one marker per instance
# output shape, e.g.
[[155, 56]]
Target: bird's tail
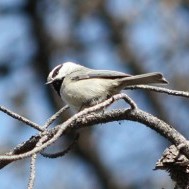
[[142, 79]]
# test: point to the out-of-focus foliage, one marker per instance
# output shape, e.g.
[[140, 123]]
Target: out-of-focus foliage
[[132, 36]]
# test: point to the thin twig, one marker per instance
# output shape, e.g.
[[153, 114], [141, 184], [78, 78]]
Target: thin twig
[[54, 117], [61, 153], [161, 90], [33, 163], [127, 99], [32, 171], [21, 118]]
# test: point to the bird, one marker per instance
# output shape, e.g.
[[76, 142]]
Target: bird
[[81, 87]]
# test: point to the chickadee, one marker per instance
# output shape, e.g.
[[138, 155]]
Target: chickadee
[[81, 87]]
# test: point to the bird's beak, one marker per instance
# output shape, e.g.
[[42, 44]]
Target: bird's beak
[[49, 82]]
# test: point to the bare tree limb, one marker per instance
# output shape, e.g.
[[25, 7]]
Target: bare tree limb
[[32, 171], [89, 117], [33, 165], [61, 153], [161, 90], [80, 120], [29, 144], [62, 128], [21, 118], [54, 117]]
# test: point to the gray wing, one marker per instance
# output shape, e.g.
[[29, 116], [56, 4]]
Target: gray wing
[[106, 74]]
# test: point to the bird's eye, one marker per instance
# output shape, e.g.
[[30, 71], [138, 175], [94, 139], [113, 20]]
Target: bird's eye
[[56, 71]]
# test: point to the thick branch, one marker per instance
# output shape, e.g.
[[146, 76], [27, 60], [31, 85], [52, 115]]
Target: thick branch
[[139, 116]]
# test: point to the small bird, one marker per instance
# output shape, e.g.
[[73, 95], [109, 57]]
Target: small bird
[[81, 87]]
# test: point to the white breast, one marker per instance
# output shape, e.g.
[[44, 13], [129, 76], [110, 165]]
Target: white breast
[[87, 92]]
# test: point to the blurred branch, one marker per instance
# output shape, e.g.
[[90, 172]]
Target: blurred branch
[[88, 117], [41, 59], [121, 42]]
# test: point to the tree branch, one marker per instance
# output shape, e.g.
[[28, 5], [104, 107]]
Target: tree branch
[[21, 118], [54, 117], [61, 153], [89, 117], [64, 126], [32, 171], [161, 90], [83, 119]]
